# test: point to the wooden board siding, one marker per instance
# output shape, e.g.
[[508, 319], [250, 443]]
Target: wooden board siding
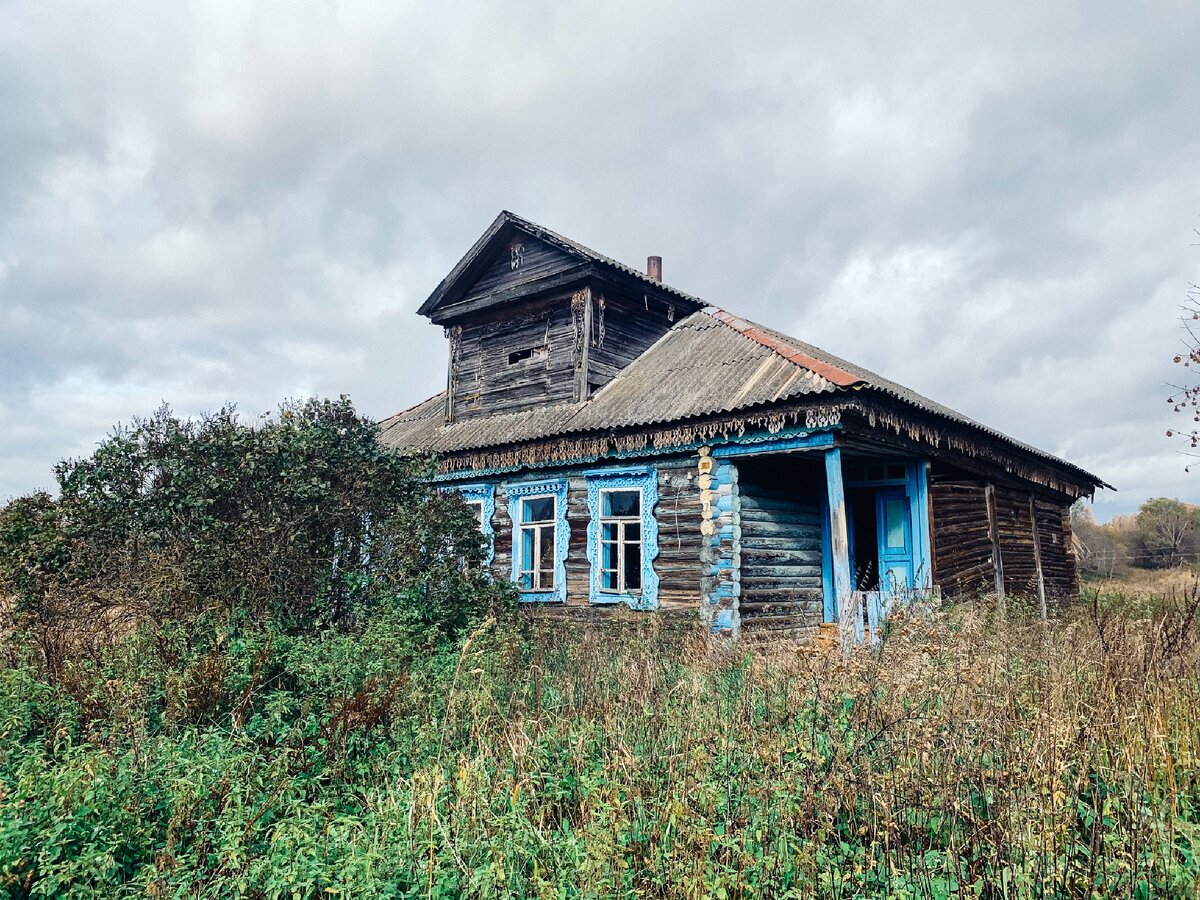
[[780, 516], [629, 328], [485, 383], [537, 261], [1015, 530], [962, 547]]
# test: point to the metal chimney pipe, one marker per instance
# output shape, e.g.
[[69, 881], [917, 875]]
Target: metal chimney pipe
[[654, 267]]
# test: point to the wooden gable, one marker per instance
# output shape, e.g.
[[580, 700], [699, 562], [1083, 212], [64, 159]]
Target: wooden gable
[[535, 319]]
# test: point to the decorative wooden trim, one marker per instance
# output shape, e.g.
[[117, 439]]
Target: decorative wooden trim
[[562, 535], [486, 495], [646, 481], [454, 335]]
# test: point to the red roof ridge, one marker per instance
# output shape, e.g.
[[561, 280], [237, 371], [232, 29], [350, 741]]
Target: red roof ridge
[[829, 372]]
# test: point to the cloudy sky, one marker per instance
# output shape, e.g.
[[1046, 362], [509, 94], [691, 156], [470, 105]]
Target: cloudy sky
[[229, 201]]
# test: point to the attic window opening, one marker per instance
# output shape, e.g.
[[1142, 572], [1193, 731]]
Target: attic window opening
[[519, 356]]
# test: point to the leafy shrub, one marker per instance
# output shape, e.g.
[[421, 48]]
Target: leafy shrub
[[301, 520]]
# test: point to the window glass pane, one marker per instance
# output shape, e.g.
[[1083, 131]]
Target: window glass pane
[[895, 470], [893, 511], [477, 509], [608, 580], [537, 509], [633, 567], [608, 531], [633, 531], [527, 542], [621, 503], [875, 472], [895, 578], [608, 555], [545, 557], [525, 582]]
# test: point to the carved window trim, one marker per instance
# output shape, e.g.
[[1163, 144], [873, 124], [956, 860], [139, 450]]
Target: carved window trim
[[517, 492], [646, 481]]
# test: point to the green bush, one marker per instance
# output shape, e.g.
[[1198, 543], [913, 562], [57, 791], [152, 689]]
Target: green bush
[[301, 520]]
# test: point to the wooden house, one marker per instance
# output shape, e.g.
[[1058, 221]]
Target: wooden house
[[628, 445]]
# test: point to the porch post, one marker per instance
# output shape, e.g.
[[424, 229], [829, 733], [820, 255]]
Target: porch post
[[850, 623]]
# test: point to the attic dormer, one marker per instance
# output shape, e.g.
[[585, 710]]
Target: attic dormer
[[535, 319]]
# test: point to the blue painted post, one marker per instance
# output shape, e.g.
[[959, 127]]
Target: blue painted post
[[722, 527], [849, 616], [918, 492]]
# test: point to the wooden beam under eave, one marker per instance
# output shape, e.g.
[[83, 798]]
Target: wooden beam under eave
[[989, 493], [1037, 556], [850, 625]]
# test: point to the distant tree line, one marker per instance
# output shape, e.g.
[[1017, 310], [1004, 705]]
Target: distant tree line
[[1162, 534]]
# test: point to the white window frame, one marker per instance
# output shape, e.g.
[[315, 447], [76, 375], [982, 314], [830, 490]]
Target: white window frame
[[539, 529], [621, 543]]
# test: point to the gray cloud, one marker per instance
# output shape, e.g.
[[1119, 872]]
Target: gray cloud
[[227, 201]]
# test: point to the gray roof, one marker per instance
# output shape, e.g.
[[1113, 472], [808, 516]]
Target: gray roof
[[709, 363]]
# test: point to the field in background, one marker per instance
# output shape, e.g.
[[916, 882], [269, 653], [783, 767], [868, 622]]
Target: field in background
[[1180, 581], [965, 757]]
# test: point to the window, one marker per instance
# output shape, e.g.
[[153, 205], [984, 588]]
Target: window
[[623, 537], [540, 538], [476, 507], [621, 541], [536, 542], [519, 356], [481, 498]]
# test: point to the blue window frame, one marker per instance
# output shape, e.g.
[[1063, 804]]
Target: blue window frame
[[623, 537], [540, 534], [482, 499]]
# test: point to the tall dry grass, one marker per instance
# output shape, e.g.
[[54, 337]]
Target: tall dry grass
[[966, 756]]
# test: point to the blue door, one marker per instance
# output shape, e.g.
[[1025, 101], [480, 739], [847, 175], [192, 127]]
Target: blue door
[[895, 539]]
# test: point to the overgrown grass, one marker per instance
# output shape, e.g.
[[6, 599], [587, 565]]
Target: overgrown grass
[[966, 757]]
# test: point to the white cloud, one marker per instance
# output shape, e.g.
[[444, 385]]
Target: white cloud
[[217, 201]]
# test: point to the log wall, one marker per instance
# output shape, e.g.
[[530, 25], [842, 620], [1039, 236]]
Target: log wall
[[780, 519], [968, 537], [679, 539]]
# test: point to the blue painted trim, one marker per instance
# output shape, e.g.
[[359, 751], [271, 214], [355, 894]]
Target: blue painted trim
[[918, 493], [716, 442], [484, 494], [800, 442], [562, 535], [614, 473], [836, 493], [645, 480], [722, 600], [830, 613]]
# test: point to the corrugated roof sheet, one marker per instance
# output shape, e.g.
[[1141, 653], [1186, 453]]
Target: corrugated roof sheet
[[709, 363]]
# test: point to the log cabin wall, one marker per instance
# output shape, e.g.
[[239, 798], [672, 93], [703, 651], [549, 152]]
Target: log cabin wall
[[964, 555], [1057, 549], [780, 517], [678, 516], [962, 545], [1014, 528]]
